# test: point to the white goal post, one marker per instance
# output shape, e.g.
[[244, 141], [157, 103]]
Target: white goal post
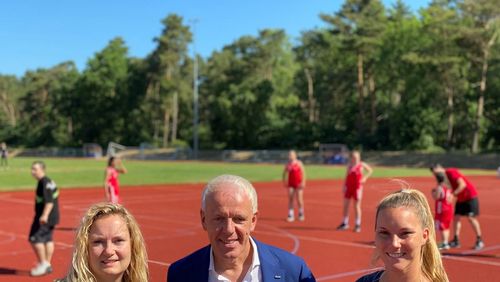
[[114, 149]]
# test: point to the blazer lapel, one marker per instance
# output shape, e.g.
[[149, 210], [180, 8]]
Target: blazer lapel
[[271, 270]]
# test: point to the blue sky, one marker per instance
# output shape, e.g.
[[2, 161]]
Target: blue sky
[[40, 34]]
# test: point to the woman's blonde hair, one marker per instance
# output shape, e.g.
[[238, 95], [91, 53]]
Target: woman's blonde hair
[[432, 265], [80, 269]]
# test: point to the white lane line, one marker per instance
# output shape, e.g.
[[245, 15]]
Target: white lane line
[[478, 261], [296, 241], [349, 273], [159, 262]]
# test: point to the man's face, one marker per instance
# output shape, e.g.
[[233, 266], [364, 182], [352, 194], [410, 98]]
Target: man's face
[[438, 169], [37, 171], [229, 220], [439, 173]]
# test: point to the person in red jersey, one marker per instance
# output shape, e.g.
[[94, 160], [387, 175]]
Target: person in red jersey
[[294, 179], [353, 189], [443, 211], [467, 203], [111, 183]]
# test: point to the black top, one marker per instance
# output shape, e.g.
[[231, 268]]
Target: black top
[[47, 192], [372, 277], [3, 152]]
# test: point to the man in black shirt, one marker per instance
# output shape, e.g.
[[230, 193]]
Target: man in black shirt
[[46, 217]]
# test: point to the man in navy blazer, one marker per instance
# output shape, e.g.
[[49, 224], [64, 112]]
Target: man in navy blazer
[[229, 214]]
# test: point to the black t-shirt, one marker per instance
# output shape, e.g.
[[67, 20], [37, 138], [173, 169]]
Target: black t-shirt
[[47, 192]]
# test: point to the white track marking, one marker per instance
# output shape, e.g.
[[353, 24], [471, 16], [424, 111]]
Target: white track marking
[[349, 273]]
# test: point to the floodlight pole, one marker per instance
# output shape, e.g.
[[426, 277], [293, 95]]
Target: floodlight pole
[[195, 94]]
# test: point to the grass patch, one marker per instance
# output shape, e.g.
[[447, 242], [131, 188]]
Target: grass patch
[[90, 172]]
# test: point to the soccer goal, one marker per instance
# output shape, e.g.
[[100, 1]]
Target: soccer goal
[[114, 149], [334, 153], [92, 150]]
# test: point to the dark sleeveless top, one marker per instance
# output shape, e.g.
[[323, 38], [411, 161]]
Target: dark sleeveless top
[[372, 277]]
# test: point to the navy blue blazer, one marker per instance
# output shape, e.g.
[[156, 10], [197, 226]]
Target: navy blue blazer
[[276, 265]]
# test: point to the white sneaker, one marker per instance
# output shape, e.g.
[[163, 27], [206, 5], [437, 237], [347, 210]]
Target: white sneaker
[[290, 219], [41, 269]]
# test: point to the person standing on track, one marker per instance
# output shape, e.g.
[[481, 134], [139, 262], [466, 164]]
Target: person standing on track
[[111, 183], [353, 189], [294, 179], [46, 217], [443, 210], [467, 203]]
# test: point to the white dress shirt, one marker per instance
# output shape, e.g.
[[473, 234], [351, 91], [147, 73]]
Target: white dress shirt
[[253, 274]]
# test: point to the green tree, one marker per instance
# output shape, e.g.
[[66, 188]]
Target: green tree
[[166, 82], [481, 34], [440, 54], [360, 25], [9, 94], [99, 113], [44, 118], [249, 85]]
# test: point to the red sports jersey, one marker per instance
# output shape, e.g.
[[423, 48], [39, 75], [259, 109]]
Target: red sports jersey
[[353, 178], [295, 174], [468, 193], [113, 180], [443, 208]]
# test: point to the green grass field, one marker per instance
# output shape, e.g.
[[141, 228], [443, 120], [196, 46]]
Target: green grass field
[[90, 172]]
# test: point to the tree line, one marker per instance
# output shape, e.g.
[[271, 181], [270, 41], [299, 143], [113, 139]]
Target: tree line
[[373, 76]]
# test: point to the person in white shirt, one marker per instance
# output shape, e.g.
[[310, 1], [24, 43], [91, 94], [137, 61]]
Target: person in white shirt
[[229, 214]]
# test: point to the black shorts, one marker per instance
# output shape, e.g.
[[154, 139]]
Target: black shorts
[[40, 233], [467, 208]]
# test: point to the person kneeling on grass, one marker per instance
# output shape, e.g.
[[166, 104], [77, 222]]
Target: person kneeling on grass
[[46, 217], [108, 247]]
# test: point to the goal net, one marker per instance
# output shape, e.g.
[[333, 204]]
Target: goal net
[[92, 150], [334, 153]]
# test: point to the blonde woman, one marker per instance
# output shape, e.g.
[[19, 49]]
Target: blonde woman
[[405, 240], [109, 247]]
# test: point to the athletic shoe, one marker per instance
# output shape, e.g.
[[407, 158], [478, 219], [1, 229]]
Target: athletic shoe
[[455, 244], [41, 269], [357, 228], [444, 246], [479, 245], [302, 217], [290, 219], [343, 226]]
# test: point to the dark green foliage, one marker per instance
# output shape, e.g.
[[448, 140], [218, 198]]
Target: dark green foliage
[[374, 77]]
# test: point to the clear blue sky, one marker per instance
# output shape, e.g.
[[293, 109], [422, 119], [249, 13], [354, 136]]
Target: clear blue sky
[[40, 34]]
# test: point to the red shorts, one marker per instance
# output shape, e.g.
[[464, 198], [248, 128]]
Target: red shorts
[[114, 196], [294, 185], [443, 221], [353, 193]]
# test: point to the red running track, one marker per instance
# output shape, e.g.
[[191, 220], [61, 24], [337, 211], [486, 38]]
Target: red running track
[[169, 219]]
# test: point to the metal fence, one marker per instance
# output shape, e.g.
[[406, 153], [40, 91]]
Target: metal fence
[[399, 158]]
